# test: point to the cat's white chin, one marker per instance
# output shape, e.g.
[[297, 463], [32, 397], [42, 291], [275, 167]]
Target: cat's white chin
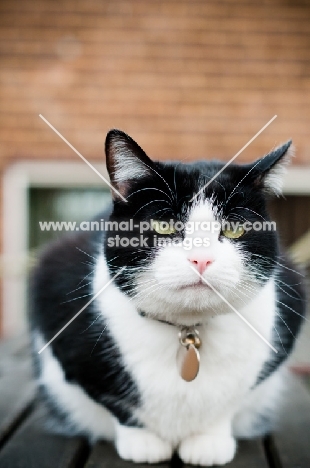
[[195, 302], [186, 305]]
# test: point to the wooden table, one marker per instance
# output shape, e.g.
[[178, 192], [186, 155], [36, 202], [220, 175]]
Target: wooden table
[[24, 443]]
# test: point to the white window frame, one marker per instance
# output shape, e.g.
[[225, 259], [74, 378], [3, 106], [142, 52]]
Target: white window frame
[[17, 180]]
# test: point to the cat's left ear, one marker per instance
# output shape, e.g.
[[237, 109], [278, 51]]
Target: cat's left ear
[[126, 162], [268, 172]]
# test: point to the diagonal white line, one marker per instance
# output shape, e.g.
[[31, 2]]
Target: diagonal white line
[[234, 157], [80, 311], [235, 310], [82, 157]]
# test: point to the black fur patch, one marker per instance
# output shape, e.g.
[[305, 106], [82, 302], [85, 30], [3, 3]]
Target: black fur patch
[[87, 358]]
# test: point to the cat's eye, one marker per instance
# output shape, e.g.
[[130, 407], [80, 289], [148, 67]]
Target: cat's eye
[[163, 227], [233, 232]]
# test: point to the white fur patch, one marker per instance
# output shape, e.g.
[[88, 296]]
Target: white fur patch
[[171, 273], [208, 449], [231, 358], [273, 181], [140, 445], [129, 168]]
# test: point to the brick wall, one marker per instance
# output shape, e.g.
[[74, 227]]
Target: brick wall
[[186, 78]]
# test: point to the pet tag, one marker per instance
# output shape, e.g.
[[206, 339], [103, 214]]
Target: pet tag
[[188, 357]]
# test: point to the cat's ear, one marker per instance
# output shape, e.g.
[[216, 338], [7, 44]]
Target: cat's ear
[[268, 172], [126, 162]]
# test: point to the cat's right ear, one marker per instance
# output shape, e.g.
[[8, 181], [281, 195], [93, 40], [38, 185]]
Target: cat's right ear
[[126, 162]]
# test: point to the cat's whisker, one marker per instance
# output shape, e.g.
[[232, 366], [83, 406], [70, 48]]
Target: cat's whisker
[[83, 251], [242, 288], [89, 264], [293, 310], [163, 209], [76, 298], [237, 216], [283, 290], [277, 280], [98, 339], [289, 295], [174, 182], [297, 296], [147, 291], [98, 316], [275, 328], [146, 204], [240, 182], [86, 276], [249, 209], [259, 274], [280, 264], [279, 315], [76, 289], [143, 282], [235, 292], [111, 260], [150, 188], [150, 286], [250, 285], [161, 177]]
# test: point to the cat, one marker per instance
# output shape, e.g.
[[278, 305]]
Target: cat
[[175, 258]]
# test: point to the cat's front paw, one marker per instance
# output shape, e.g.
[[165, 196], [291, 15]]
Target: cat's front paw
[[207, 450], [141, 446]]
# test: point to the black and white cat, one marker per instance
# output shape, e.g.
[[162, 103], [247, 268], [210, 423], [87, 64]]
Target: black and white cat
[[112, 373]]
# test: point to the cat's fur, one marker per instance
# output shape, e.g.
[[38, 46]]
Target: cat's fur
[[112, 372]]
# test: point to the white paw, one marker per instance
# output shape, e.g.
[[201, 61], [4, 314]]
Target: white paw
[[207, 450], [141, 446]]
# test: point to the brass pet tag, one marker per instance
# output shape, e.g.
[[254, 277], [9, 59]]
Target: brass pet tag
[[188, 357]]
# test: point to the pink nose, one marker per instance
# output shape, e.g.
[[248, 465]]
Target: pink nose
[[200, 263]]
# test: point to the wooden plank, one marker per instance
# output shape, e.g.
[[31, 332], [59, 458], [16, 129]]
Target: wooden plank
[[292, 438], [16, 387], [250, 454], [104, 455], [32, 446]]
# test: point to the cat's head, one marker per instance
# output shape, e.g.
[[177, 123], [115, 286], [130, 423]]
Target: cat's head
[[190, 235]]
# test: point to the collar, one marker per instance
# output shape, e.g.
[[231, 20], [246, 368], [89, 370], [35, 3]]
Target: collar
[[179, 325]]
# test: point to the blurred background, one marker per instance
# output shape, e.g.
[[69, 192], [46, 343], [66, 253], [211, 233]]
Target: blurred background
[[187, 79]]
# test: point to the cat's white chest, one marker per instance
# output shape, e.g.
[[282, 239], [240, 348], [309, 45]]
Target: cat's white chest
[[231, 356], [176, 408]]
